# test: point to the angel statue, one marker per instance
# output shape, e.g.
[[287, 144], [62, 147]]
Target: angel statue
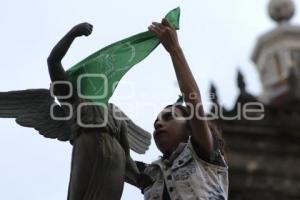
[[101, 161]]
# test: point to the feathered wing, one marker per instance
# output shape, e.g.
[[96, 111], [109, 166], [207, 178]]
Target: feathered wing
[[31, 108], [138, 138]]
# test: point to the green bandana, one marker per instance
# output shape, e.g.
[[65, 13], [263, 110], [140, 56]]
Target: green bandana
[[98, 75]]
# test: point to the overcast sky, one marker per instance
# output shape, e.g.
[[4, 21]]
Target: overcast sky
[[216, 36]]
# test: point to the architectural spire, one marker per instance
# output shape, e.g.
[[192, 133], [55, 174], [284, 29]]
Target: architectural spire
[[240, 82], [213, 93]]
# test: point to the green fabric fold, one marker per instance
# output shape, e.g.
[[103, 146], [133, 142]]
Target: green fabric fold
[[98, 75]]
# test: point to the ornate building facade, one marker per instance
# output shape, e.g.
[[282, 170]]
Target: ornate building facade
[[264, 146]]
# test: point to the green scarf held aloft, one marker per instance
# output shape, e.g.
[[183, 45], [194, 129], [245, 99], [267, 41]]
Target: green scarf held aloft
[[98, 75]]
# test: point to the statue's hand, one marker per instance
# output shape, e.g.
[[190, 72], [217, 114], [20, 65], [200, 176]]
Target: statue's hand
[[82, 29]]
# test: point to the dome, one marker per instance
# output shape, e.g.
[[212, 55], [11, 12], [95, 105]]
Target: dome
[[281, 10]]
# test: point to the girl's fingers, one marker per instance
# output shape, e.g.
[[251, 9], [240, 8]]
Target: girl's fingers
[[154, 30], [158, 25], [166, 23], [160, 29]]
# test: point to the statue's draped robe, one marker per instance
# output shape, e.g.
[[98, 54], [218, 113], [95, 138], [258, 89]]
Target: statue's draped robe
[[98, 159]]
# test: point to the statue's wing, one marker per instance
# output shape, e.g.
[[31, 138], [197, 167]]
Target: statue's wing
[[139, 139], [31, 108]]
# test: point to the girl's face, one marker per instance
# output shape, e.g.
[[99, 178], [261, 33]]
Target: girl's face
[[170, 129]]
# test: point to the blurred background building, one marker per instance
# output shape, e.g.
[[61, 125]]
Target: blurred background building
[[264, 147]]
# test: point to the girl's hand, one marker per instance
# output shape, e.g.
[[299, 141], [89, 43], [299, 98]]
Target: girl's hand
[[166, 33]]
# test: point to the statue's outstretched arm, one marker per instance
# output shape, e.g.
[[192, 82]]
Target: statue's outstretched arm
[[56, 70]]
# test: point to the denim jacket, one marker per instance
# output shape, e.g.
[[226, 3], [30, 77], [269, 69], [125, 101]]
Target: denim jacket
[[187, 177]]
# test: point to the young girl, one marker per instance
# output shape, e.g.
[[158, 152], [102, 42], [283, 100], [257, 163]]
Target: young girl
[[192, 165]]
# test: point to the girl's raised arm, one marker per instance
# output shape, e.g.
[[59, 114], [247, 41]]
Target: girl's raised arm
[[188, 86]]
